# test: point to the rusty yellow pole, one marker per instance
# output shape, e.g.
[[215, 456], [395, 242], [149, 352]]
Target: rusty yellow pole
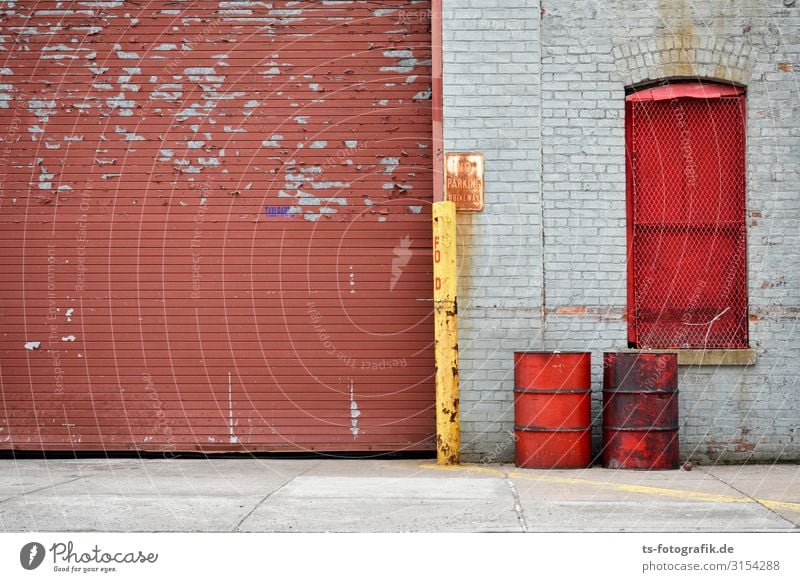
[[445, 310]]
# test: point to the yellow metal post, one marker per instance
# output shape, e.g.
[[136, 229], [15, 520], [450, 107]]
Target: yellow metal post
[[445, 309]]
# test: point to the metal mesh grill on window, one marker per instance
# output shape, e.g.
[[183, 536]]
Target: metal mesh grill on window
[[688, 226]]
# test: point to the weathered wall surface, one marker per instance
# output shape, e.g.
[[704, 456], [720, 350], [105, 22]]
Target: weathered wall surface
[[555, 202]]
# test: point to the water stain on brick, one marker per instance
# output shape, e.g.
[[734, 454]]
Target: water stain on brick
[[679, 36]]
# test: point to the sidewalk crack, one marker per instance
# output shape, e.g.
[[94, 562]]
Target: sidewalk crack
[[271, 493], [523, 523], [753, 499], [24, 493]]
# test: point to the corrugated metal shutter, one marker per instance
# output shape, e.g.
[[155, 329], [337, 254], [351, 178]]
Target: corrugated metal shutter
[[216, 226], [687, 277]]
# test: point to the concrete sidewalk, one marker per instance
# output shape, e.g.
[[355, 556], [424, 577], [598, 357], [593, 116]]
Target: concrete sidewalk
[[319, 495]]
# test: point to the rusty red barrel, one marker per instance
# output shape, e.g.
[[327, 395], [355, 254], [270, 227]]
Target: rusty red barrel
[[640, 411], [552, 410]]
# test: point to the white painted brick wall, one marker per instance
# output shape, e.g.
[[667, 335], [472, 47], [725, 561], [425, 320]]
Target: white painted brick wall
[[538, 87]]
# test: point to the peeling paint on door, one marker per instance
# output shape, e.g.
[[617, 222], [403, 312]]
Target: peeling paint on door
[[120, 117]]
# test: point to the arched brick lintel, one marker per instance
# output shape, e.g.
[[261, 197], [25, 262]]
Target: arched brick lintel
[[645, 62]]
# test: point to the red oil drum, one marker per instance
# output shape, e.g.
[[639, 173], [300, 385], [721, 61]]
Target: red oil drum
[[552, 410], [640, 411]]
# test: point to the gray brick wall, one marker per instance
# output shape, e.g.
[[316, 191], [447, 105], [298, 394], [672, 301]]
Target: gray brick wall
[[491, 104], [538, 87]]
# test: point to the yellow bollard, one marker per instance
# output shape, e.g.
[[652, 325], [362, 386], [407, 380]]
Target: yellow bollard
[[445, 310]]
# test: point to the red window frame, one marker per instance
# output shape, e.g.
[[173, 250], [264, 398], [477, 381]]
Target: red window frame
[[686, 217]]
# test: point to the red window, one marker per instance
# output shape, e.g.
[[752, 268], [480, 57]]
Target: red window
[[687, 266]]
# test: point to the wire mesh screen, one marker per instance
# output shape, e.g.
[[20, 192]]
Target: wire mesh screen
[[688, 223]]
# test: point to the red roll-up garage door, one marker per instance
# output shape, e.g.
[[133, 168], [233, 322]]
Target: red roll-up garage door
[[216, 226]]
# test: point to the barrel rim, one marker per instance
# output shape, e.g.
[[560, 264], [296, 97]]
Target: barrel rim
[[518, 390], [669, 428], [674, 467], [641, 353], [552, 467], [553, 353], [653, 391], [519, 428]]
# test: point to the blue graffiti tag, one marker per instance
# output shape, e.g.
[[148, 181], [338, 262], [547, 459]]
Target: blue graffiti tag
[[278, 212]]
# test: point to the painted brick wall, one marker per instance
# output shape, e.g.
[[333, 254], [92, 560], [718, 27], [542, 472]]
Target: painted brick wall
[[538, 87], [491, 104]]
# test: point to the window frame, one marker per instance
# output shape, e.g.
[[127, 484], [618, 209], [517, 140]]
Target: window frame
[[663, 90]]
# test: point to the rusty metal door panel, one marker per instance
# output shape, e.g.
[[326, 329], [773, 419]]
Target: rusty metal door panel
[[215, 222]]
